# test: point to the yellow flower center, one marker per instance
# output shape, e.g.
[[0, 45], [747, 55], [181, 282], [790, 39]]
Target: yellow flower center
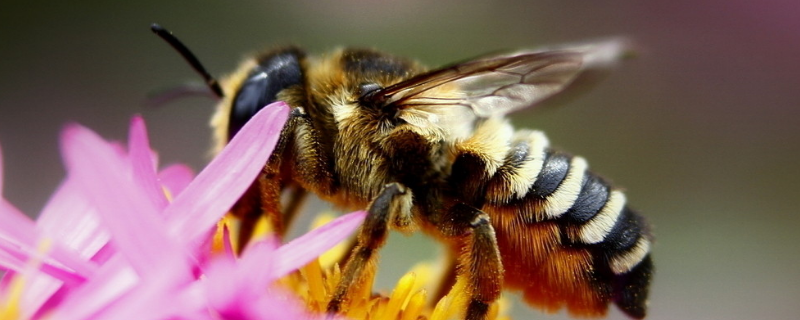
[[315, 282]]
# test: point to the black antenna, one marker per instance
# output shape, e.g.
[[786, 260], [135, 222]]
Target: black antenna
[[189, 57]]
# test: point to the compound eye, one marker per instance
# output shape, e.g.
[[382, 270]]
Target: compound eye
[[251, 97], [366, 93], [274, 73], [366, 88]]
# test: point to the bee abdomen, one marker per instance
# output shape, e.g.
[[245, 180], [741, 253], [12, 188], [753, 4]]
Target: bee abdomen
[[563, 190], [535, 185], [529, 180], [593, 215], [600, 219]]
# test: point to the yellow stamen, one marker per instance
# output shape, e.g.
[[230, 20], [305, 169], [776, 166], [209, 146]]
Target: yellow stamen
[[10, 311], [262, 228], [230, 223], [167, 193], [316, 285], [316, 281], [415, 305], [453, 304], [400, 296]]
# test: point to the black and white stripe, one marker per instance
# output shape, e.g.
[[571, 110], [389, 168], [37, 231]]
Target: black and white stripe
[[590, 212]]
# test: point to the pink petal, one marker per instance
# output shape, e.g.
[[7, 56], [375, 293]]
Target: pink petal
[[150, 298], [8, 261], [240, 289], [70, 220], [16, 226], [147, 272], [21, 245], [311, 245], [227, 282], [1, 171], [111, 282], [19, 260], [136, 227], [20, 241], [275, 305], [175, 178], [224, 180], [144, 171], [258, 263], [224, 287]]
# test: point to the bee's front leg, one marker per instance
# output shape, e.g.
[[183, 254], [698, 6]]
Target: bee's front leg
[[390, 208], [296, 158]]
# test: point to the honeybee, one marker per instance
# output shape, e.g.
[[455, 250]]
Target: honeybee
[[430, 150]]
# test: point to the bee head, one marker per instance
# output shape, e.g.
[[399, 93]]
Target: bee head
[[272, 73]]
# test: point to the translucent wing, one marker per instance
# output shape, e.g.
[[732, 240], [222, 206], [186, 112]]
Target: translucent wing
[[500, 84]]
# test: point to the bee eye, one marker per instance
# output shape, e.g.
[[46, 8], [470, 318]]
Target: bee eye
[[366, 94], [367, 88], [274, 73]]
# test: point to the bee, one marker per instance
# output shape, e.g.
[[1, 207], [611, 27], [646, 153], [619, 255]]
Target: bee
[[430, 150]]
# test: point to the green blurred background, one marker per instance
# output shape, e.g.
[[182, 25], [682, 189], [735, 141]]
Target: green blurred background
[[701, 128]]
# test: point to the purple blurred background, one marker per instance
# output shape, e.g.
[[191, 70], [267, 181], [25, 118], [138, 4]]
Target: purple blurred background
[[701, 129]]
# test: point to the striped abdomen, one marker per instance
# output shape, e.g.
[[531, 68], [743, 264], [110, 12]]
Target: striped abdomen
[[566, 238]]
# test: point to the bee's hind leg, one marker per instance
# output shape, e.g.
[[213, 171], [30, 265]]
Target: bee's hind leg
[[479, 260]]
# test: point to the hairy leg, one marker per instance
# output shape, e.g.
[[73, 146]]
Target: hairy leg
[[387, 208]]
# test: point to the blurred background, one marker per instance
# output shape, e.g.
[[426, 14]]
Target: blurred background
[[701, 129]]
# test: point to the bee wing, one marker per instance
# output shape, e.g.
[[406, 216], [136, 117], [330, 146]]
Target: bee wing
[[501, 84]]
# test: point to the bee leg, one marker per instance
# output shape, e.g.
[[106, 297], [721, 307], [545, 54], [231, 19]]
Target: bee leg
[[391, 202], [486, 270], [312, 167], [310, 171], [248, 209], [280, 215], [261, 198], [480, 257]]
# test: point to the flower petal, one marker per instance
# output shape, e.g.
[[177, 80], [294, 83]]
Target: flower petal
[[1, 171], [141, 156], [123, 208], [311, 245], [258, 262], [240, 289], [70, 220], [112, 281], [19, 244], [214, 191], [20, 261], [16, 227], [175, 178], [58, 265], [118, 249], [150, 298]]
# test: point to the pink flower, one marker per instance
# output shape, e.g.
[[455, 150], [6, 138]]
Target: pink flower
[[111, 243]]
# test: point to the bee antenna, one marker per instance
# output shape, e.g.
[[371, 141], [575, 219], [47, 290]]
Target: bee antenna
[[189, 57]]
